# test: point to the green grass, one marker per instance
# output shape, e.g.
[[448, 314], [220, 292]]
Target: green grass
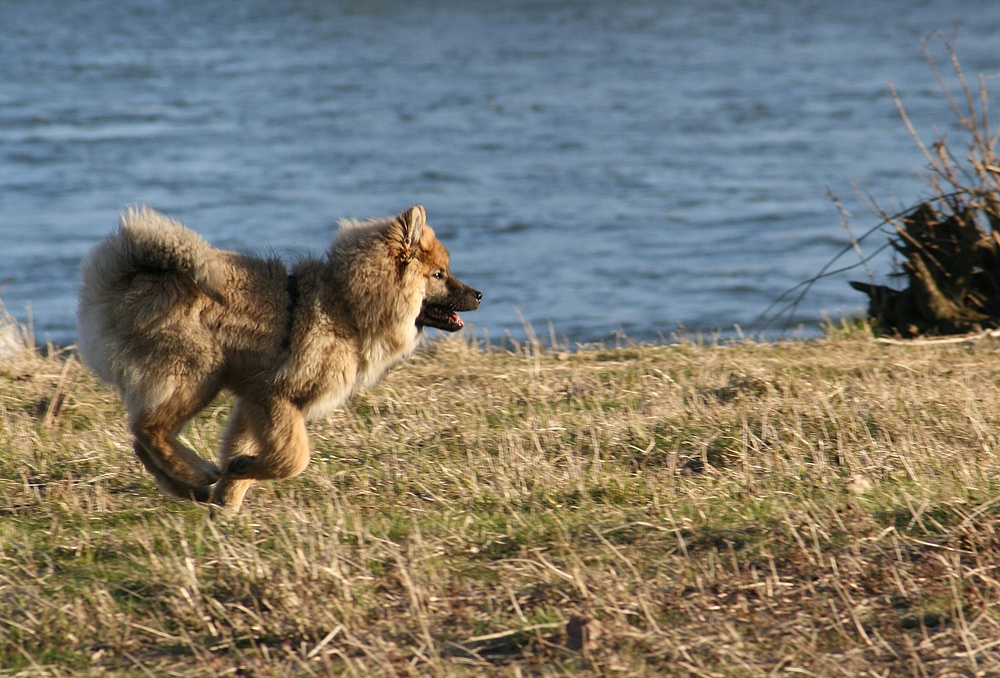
[[820, 508]]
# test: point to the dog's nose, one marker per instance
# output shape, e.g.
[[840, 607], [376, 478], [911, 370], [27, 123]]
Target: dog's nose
[[478, 296]]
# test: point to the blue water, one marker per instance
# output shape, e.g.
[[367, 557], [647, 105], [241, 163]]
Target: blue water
[[633, 166]]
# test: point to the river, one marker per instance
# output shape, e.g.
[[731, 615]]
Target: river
[[637, 168]]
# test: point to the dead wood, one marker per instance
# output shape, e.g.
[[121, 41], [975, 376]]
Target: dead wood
[[948, 244], [951, 264]]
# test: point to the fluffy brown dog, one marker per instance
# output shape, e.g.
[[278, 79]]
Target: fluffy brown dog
[[171, 321]]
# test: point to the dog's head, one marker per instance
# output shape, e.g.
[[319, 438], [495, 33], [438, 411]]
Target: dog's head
[[444, 295]]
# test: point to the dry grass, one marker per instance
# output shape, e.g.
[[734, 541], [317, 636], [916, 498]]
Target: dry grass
[[816, 508]]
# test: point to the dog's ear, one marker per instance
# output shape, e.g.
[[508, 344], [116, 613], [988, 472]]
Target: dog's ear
[[411, 226]]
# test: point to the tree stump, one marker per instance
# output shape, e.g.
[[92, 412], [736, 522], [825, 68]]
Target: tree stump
[[951, 263]]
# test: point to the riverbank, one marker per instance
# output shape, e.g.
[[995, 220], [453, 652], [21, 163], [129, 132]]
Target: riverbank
[[821, 507]]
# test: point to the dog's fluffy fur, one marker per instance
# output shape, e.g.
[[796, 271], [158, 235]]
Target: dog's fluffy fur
[[171, 321]]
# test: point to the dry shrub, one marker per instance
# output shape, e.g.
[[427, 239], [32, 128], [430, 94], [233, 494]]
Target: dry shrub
[[949, 243]]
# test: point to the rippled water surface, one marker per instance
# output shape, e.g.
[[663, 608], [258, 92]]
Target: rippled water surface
[[625, 166]]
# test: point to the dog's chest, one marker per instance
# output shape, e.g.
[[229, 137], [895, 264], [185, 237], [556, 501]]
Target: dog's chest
[[325, 403]]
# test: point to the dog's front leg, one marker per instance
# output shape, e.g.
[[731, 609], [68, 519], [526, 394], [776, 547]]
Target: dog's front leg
[[264, 442], [238, 441]]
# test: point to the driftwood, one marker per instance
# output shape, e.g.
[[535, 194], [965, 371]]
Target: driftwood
[[951, 262], [950, 243]]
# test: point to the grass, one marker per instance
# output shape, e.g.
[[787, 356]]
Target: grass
[[816, 508]]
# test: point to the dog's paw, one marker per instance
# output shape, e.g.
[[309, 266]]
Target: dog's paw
[[197, 472], [205, 473], [181, 490], [229, 492], [201, 494]]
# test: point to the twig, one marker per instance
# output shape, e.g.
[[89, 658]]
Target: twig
[[57, 397], [942, 340], [321, 644], [514, 632]]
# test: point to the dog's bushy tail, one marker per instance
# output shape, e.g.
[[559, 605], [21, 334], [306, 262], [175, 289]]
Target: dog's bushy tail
[[146, 242]]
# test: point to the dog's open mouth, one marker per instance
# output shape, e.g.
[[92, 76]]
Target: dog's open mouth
[[440, 317]]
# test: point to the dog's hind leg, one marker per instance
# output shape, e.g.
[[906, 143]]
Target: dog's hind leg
[[170, 485], [278, 430], [156, 444]]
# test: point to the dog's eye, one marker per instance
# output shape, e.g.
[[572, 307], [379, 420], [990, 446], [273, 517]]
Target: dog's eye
[[438, 275]]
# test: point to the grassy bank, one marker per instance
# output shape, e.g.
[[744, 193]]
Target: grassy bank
[[812, 508]]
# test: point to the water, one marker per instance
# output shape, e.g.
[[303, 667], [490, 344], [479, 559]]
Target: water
[[632, 166]]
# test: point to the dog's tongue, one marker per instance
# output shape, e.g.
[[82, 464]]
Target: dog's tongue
[[446, 316]]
